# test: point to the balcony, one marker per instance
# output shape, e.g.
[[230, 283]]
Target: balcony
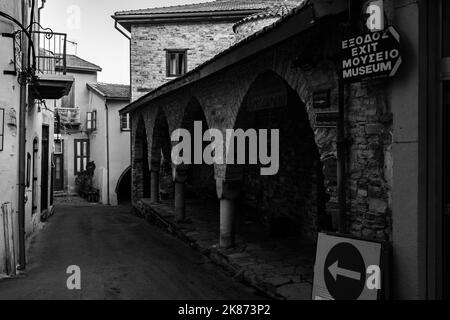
[[68, 117], [52, 81]]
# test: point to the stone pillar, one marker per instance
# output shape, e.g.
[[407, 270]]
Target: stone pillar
[[154, 186], [228, 192], [179, 179]]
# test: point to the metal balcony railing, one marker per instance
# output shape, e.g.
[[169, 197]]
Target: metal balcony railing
[[52, 55], [68, 116]]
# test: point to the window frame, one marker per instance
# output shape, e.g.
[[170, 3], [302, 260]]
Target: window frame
[[91, 121], [62, 146], [76, 157], [128, 122], [169, 52]]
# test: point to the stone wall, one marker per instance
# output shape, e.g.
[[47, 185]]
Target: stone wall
[[149, 42], [307, 65], [370, 163]]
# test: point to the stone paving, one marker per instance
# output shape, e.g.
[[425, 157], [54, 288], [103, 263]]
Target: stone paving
[[67, 199], [280, 267]]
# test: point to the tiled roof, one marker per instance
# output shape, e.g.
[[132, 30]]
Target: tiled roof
[[111, 91], [278, 10], [212, 6], [76, 63]]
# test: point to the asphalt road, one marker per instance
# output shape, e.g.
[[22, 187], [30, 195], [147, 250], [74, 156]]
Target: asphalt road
[[120, 257]]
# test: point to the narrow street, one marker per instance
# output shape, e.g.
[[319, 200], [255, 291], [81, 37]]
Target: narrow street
[[120, 256]]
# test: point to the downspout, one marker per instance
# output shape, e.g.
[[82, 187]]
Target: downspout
[[121, 31], [107, 154], [22, 141]]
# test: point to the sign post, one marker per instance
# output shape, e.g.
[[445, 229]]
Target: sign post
[[371, 55], [348, 269]]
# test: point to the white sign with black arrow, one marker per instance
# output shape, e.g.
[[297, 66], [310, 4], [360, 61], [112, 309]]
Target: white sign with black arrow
[[335, 271], [347, 269]]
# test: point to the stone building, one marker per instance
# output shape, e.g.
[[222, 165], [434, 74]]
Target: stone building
[[286, 76], [193, 33]]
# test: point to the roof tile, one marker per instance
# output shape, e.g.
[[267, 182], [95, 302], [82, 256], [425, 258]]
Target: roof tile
[[112, 91], [217, 5]]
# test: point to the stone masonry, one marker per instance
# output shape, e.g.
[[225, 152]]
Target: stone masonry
[[150, 42], [306, 65]]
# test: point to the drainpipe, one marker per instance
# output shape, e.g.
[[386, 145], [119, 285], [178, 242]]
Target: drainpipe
[[22, 141], [107, 153], [116, 26]]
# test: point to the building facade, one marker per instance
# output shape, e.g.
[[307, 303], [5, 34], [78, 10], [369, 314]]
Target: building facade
[[29, 85], [71, 120], [167, 42], [286, 76], [89, 126], [109, 141]]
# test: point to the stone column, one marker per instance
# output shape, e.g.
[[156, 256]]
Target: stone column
[[154, 186], [179, 179], [228, 192]]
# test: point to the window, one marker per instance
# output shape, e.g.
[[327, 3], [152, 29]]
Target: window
[[58, 146], [2, 120], [91, 119], [125, 124], [28, 170], [81, 155], [176, 62]]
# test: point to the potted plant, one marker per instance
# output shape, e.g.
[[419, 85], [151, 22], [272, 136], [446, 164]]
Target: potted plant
[[85, 185]]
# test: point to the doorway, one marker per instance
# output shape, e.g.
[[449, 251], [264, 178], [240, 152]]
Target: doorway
[[45, 168], [123, 189], [446, 215], [445, 78], [35, 175], [58, 181]]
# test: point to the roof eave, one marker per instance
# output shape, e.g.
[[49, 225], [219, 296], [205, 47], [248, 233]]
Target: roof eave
[[105, 96], [126, 20], [118, 99], [80, 69]]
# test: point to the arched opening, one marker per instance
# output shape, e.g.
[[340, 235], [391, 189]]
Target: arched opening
[[161, 161], [200, 182], [123, 189], [140, 169], [289, 202]]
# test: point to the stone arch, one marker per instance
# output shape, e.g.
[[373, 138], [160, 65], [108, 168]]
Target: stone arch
[[291, 201], [160, 158], [199, 177], [123, 186], [140, 165]]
